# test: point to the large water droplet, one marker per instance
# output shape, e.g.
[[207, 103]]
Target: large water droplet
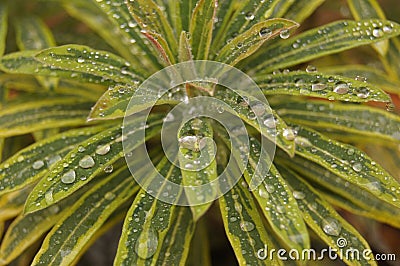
[[258, 109], [147, 243], [288, 134], [37, 165], [265, 32], [375, 187], [109, 169], [331, 226], [269, 122], [263, 193], [238, 207], [246, 226], [298, 195], [86, 162], [193, 143], [68, 177], [48, 196], [103, 150], [357, 167], [318, 87], [80, 60], [377, 32], [341, 88], [270, 188], [311, 69], [249, 16], [284, 34]]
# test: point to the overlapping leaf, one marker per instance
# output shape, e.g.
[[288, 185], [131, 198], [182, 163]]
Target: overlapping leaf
[[83, 163], [30, 164], [302, 9], [359, 119], [41, 114], [321, 86], [328, 39], [3, 26]]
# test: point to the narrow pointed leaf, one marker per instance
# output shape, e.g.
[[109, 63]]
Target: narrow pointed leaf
[[280, 7], [360, 119], [238, 16], [185, 52], [244, 226], [328, 39], [321, 86], [201, 27], [351, 164], [148, 222], [150, 17], [25, 230], [69, 235], [125, 26], [41, 114], [83, 163], [30, 164], [390, 61], [248, 42], [192, 178], [326, 222], [199, 252], [186, 11], [365, 9], [3, 26]]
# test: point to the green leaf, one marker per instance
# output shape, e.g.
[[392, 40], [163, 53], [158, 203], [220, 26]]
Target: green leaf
[[185, 52], [11, 204], [321, 86], [390, 61], [244, 226], [328, 39], [360, 119], [237, 16], [300, 10], [201, 27], [346, 161], [33, 34], [250, 41], [199, 252], [3, 26], [269, 126], [117, 37], [25, 230], [83, 163], [83, 59], [148, 223], [273, 195], [365, 9], [69, 235], [125, 26], [280, 7], [185, 13], [151, 18], [322, 218], [31, 163], [204, 173], [352, 193], [36, 115], [372, 75]]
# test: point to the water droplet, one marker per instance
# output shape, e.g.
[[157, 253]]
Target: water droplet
[[258, 109], [263, 193], [269, 122], [303, 142], [341, 88], [377, 32], [350, 151], [246, 226], [37, 165], [103, 150], [190, 143], [375, 187], [86, 162], [52, 160], [270, 188], [280, 208], [390, 107], [68, 177], [81, 149], [249, 16], [20, 158], [311, 69], [238, 207], [288, 134], [298, 195], [265, 32], [387, 29], [362, 92], [109, 169], [331, 226], [147, 243], [48, 196], [80, 60], [357, 167], [318, 87], [284, 34], [109, 196]]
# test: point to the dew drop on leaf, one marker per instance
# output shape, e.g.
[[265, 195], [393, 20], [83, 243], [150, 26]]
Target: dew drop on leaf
[[146, 244], [311, 69], [341, 88], [288, 134], [270, 188], [49, 197], [86, 162], [249, 16], [246, 226], [103, 150], [331, 226], [269, 122], [109, 196], [263, 193], [108, 169], [285, 34], [318, 87], [298, 195], [37, 165], [265, 32], [357, 167], [68, 177]]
